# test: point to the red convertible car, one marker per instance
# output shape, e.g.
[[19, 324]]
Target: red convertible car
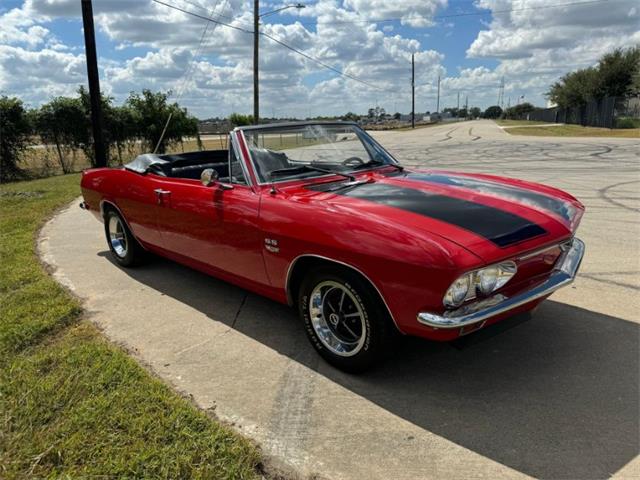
[[320, 216]]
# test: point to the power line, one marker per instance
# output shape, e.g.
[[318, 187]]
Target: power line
[[201, 7], [276, 40], [321, 63], [190, 68], [453, 15], [187, 74], [209, 19]]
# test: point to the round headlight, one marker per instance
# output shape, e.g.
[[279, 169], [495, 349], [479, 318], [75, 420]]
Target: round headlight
[[488, 279], [492, 278], [458, 291]]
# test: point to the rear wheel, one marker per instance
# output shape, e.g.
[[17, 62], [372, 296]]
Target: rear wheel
[[344, 319], [125, 249]]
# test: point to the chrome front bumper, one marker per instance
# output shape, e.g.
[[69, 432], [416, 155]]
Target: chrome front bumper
[[563, 274]]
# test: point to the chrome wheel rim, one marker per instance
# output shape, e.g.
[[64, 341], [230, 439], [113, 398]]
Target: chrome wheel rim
[[337, 318], [117, 237]]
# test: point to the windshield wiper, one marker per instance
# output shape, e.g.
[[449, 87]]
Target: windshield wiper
[[374, 162], [307, 168]]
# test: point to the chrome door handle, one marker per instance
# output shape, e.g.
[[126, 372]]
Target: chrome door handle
[[160, 195]]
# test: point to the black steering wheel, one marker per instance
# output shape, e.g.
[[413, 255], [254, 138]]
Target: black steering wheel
[[353, 162]]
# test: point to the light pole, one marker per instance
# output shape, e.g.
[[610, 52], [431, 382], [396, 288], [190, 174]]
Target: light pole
[[256, 44]]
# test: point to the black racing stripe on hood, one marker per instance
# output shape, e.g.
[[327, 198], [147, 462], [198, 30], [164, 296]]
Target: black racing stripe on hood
[[521, 195], [500, 227]]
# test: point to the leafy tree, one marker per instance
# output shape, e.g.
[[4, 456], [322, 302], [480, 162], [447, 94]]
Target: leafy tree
[[475, 112], [62, 122], [239, 120], [616, 75], [397, 116], [493, 112], [15, 131], [151, 113], [121, 129], [376, 113], [462, 113], [575, 88], [351, 117], [519, 111]]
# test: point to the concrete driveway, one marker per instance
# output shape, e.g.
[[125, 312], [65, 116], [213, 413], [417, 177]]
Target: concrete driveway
[[555, 396]]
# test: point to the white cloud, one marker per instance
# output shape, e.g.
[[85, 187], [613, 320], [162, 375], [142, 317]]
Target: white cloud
[[17, 27], [533, 26], [535, 45], [39, 75], [220, 79], [416, 13]]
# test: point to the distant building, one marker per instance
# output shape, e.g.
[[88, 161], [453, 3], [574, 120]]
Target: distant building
[[212, 126]]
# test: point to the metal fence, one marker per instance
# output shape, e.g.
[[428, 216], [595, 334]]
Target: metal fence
[[596, 113], [627, 107]]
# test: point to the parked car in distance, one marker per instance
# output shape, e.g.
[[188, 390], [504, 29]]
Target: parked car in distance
[[322, 217]]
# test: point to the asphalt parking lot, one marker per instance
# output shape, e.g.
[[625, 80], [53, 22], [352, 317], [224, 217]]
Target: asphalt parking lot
[[551, 396]]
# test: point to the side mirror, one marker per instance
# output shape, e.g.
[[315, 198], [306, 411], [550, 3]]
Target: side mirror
[[208, 177]]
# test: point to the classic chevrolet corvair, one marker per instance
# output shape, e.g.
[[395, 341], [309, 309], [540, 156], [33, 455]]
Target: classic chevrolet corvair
[[320, 216]]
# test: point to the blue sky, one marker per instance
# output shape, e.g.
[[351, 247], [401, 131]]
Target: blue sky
[[145, 45]]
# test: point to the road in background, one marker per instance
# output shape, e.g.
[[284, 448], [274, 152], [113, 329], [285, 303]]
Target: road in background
[[555, 396]]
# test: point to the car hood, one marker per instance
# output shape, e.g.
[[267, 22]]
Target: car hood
[[493, 217]]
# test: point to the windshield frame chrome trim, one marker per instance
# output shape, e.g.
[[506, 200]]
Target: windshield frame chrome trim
[[238, 152]]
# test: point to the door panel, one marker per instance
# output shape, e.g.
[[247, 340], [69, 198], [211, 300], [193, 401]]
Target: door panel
[[139, 204], [215, 226]]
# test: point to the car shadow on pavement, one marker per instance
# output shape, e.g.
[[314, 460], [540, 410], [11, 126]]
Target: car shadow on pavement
[[553, 397]]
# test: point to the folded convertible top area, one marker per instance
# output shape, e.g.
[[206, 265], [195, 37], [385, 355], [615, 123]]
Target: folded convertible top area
[[183, 165]]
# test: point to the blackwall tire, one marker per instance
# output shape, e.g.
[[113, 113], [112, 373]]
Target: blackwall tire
[[345, 319], [124, 248]]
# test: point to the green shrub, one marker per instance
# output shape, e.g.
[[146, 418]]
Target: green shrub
[[627, 122]]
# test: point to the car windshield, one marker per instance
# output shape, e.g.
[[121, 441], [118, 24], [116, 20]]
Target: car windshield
[[312, 150]]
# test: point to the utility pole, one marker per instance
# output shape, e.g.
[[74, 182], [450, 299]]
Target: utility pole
[[94, 83], [458, 100], [501, 94], [256, 44], [413, 92], [438, 101]]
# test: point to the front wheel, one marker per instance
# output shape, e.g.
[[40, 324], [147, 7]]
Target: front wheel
[[125, 249], [344, 319]]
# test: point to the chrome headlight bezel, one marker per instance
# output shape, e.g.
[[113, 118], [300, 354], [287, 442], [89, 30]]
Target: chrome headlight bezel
[[481, 282], [458, 291]]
